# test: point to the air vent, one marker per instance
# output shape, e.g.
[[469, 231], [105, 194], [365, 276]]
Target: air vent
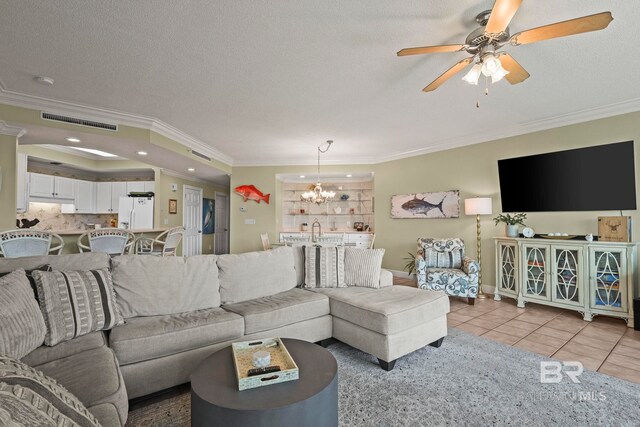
[[55, 163], [202, 156], [79, 122]]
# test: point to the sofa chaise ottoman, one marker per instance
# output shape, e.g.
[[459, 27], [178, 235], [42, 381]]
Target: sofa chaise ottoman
[[388, 322]]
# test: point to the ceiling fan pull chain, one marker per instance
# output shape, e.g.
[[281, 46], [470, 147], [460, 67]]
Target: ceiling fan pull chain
[[486, 85]]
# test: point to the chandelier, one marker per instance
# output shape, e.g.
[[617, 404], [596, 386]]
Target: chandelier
[[318, 195]]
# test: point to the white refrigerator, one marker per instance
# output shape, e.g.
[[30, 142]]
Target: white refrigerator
[[135, 213]]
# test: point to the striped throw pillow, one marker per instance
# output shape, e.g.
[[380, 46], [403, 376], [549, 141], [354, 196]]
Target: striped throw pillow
[[30, 398], [22, 328], [324, 267], [75, 303], [362, 267]]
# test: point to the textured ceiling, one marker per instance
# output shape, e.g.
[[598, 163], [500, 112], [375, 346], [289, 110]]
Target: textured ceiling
[[266, 82]]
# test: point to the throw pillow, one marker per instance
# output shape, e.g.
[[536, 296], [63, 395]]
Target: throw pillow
[[362, 267], [32, 281], [74, 303], [324, 267], [22, 327], [30, 398]]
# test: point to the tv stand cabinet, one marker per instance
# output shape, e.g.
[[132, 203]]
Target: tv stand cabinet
[[593, 278]]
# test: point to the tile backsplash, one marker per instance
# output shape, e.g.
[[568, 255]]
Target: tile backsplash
[[51, 218]]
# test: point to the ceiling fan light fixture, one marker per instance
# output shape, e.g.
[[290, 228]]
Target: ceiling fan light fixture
[[498, 74], [490, 64], [473, 75]]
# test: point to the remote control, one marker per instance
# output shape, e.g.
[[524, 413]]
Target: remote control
[[259, 371]]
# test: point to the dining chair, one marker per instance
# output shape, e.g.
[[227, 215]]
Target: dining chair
[[334, 239], [373, 239], [19, 243], [114, 241], [164, 244], [264, 238], [296, 240]]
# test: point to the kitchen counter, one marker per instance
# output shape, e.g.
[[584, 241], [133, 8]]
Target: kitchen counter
[[330, 232], [78, 232]]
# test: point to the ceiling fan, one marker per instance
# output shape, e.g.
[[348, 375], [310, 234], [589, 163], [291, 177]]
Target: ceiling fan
[[484, 44]]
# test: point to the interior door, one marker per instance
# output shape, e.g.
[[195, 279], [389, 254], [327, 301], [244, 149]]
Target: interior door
[[192, 221], [222, 224]]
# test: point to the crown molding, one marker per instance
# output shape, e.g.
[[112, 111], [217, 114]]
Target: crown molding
[[168, 131], [595, 113], [7, 129], [88, 112]]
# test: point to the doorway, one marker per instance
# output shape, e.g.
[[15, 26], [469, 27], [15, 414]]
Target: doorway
[[192, 221], [222, 224]]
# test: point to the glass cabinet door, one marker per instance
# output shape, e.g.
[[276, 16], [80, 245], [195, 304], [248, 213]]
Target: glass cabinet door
[[507, 268], [567, 275], [535, 280], [608, 275]]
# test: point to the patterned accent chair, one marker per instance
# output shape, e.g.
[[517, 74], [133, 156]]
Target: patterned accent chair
[[442, 266]]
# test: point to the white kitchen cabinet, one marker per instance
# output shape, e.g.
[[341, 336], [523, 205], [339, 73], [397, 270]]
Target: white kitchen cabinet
[[140, 186], [63, 187], [118, 189], [85, 199], [41, 185], [135, 186], [594, 278], [103, 197], [50, 187], [22, 195], [108, 195]]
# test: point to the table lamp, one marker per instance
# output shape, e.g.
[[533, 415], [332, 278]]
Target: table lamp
[[478, 206]]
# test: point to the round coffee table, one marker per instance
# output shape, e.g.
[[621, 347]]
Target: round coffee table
[[311, 400]]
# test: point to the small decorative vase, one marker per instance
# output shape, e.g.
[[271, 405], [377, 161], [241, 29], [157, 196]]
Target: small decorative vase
[[512, 230]]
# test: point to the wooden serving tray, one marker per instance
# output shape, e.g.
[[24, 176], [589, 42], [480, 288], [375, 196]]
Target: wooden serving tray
[[243, 361]]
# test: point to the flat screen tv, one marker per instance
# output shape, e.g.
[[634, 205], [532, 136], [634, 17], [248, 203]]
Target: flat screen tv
[[596, 178]]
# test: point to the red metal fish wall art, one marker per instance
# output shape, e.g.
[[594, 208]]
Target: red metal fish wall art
[[250, 192]]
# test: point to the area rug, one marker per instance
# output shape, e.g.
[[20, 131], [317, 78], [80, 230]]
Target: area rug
[[469, 381]]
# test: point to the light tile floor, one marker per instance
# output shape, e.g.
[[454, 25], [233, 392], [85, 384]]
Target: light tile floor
[[605, 345]]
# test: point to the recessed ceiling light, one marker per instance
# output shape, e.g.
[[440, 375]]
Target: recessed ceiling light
[[191, 169], [92, 151], [302, 176], [73, 139], [349, 175], [45, 80], [142, 153]]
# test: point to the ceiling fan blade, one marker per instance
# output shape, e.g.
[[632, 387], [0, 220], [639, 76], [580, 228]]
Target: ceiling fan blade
[[431, 49], [517, 74], [596, 22], [501, 15], [448, 74]]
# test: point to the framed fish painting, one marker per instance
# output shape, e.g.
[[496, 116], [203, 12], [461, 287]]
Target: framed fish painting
[[208, 215], [442, 204]]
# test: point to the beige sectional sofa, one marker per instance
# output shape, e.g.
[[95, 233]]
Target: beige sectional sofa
[[180, 310]]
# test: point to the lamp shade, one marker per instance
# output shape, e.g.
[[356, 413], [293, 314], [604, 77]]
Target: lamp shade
[[478, 206]]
